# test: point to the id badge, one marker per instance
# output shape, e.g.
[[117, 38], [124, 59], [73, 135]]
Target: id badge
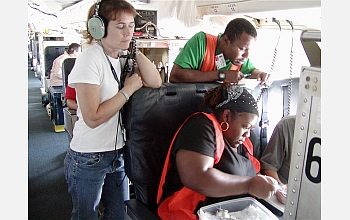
[[220, 61]]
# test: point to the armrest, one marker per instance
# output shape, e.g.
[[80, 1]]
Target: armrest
[[276, 210], [138, 211], [70, 117]]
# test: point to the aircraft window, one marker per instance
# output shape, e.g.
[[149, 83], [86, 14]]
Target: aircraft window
[[263, 52]]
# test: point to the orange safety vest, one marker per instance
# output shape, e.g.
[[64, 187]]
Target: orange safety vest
[[181, 205], [209, 65]]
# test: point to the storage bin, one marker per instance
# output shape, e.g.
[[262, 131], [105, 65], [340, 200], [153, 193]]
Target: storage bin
[[246, 208]]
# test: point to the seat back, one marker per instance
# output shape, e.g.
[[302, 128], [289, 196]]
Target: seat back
[[152, 116], [70, 116], [67, 67], [50, 54]]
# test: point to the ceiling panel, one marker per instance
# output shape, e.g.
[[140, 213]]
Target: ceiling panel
[[51, 6]]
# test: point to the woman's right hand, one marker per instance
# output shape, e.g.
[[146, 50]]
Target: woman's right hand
[[132, 83], [262, 187]]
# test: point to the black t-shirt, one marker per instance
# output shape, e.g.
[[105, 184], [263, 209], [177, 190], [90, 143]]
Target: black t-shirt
[[198, 135]]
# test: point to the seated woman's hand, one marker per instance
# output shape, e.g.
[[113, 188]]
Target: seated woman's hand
[[262, 187]]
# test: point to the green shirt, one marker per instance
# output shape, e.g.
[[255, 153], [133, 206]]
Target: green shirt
[[192, 55]]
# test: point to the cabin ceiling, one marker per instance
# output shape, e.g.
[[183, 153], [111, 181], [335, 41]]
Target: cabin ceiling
[[58, 14], [52, 5]]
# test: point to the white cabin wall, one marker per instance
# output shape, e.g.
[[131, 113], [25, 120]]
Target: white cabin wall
[[178, 18], [263, 52]]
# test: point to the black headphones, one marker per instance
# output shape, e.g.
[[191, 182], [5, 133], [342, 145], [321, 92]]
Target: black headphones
[[96, 24]]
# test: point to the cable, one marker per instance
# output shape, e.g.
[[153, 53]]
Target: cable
[[149, 23], [129, 68], [290, 68], [130, 63], [273, 59], [275, 51]]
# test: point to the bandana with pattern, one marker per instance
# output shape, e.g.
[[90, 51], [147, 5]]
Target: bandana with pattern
[[239, 99]]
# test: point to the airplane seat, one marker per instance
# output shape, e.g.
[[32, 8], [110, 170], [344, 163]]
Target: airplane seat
[[70, 116], [50, 54], [67, 67], [151, 118]]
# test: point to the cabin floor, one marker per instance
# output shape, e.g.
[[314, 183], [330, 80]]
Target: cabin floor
[[48, 197]]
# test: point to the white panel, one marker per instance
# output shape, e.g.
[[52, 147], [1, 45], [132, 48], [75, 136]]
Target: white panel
[[304, 183], [300, 11]]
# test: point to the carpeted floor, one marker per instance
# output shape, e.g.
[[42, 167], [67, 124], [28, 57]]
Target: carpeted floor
[[48, 198]]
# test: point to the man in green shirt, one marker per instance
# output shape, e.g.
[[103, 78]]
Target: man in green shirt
[[222, 57]]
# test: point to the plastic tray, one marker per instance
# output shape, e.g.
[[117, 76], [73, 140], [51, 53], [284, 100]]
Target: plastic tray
[[243, 208]]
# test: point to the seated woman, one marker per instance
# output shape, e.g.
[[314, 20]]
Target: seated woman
[[204, 165]]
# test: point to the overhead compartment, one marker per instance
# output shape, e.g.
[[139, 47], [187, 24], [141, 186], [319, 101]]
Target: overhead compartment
[[263, 10], [229, 7]]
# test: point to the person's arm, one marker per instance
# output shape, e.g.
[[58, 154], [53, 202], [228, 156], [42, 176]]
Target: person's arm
[[188, 62], [70, 96], [179, 74], [149, 74], [72, 104], [196, 172], [96, 113], [281, 193], [261, 76]]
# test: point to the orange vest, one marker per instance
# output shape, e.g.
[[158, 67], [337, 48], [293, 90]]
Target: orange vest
[[181, 205], [209, 65]]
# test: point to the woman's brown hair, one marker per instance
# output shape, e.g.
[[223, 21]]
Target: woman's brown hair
[[214, 96], [108, 11]]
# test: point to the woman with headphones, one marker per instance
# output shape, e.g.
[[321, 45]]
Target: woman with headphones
[[94, 163]]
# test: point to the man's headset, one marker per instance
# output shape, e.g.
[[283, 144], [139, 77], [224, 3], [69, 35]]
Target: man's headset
[[96, 24]]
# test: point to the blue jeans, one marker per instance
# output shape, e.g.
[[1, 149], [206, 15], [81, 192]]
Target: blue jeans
[[93, 178]]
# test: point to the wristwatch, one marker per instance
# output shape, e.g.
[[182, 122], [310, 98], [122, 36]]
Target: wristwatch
[[222, 76]]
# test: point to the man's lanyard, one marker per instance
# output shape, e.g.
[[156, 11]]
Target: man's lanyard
[[220, 60], [217, 44]]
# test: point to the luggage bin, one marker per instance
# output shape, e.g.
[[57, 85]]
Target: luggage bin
[[246, 208], [56, 105]]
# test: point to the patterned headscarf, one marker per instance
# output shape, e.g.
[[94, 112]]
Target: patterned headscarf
[[239, 99]]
